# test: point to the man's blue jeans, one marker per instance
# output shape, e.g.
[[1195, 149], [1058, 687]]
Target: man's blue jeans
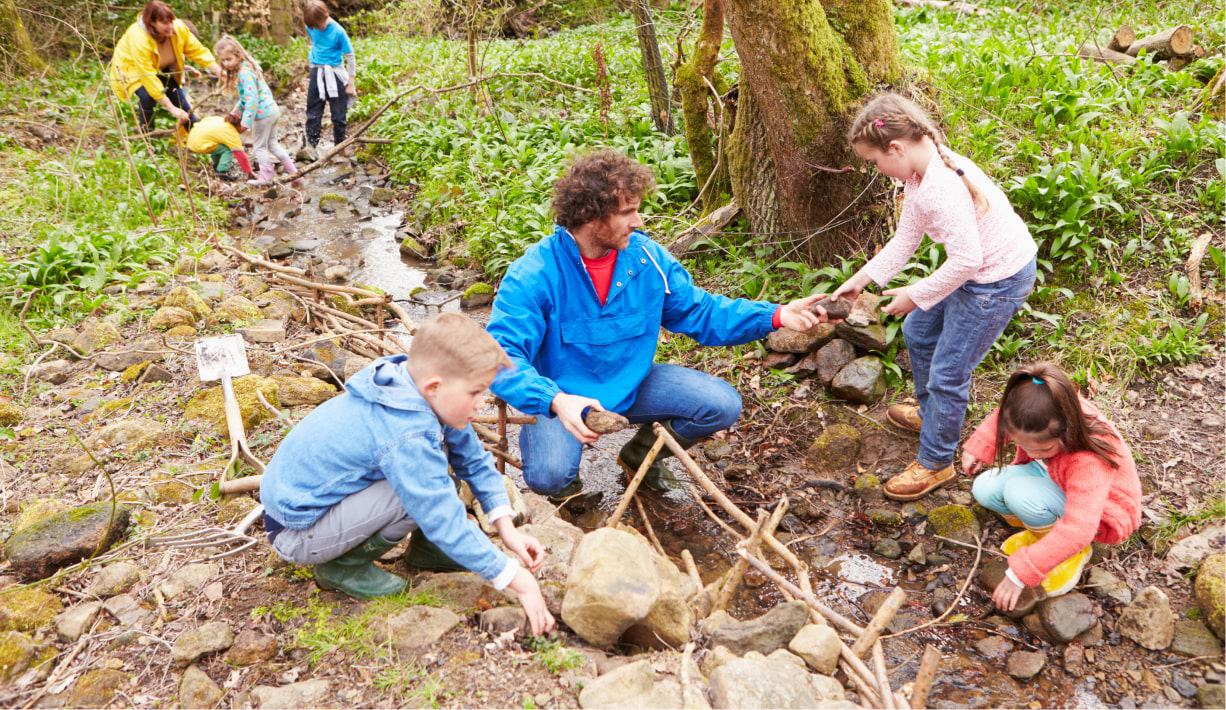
[[697, 404], [946, 343]]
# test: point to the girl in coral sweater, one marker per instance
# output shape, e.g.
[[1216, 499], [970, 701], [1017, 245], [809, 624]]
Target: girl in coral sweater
[[1072, 482]]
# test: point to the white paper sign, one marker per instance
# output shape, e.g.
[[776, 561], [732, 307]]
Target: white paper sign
[[223, 355]]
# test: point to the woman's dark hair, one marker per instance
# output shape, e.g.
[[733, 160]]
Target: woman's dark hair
[[156, 11], [1040, 399], [595, 184]]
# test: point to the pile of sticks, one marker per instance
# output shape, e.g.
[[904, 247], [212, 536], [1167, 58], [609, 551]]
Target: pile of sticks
[[871, 683], [1174, 45]]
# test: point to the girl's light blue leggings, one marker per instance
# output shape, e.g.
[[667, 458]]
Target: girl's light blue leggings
[[1024, 490]]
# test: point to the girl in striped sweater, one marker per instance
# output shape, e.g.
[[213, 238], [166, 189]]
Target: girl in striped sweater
[[1072, 482]]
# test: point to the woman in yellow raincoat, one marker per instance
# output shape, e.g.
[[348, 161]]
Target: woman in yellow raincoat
[[148, 63]]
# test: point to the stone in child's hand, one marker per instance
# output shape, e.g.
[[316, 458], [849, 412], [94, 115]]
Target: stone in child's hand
[[835, 310], [603, 422]]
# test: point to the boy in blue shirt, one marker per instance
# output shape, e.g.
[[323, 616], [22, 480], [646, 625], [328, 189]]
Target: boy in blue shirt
[[333, 70], [368, 467]]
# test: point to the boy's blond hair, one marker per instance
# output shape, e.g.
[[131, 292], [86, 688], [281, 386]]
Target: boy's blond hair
[[315, 13], [453, 345]]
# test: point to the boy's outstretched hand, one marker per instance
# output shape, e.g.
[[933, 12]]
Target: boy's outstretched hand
[[529, 592], [528, 549], [798, 315]]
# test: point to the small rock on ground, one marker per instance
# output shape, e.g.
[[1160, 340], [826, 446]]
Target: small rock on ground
[[305, 694], [1194, 640], [1067, 617], [208, 638], [115, 579], [1025, 665], [1148, 620], [197, 690]]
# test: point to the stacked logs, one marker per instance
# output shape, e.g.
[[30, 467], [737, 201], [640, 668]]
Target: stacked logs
[[1175, 46]]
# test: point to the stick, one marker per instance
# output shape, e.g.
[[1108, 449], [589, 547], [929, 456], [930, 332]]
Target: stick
[[765, 527], [966, 583], [246, 484], [503, 442], [852, 661], [651, 534], [1195, 296], [511, 419], [692, 569], [830, 614], [883, 677], [990, 551], [883, 617], [1090, 50], [924, 676], [868, 696], [685, 675], [633, 485]]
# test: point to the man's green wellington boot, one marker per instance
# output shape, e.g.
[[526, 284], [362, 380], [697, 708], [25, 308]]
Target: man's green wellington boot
[[574, 499], [356, 574], [658, 477], [424, 554]]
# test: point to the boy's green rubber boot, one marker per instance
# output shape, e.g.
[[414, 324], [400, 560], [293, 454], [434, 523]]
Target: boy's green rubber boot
[[356, 574], [424, 554], [658, 477]]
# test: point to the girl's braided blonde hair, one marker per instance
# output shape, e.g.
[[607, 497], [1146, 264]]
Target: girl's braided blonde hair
[[227, 44], [890, 117]]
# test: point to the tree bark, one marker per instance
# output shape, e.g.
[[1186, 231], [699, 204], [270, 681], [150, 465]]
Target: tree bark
[[703, 115], [281, 21], [1104, 54], [653, 67], [15, 40], [801, 80]]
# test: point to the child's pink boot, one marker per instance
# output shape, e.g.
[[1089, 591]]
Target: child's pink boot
[[266, 176], [290, 169]]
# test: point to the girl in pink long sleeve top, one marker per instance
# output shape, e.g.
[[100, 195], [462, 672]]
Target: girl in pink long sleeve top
[[955, 314], [1072, 482]]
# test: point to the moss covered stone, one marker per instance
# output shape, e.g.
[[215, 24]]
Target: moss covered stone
[[413, 249], [295, 391], [956, 522], [17, 653], [341, 302], [381, 196], [10, 414], [66, 537], [187, 299], [168, 317], [97, 688], [27, 608], [109, 407], [478, 295], [181, 331], [330, 202], [867, 482], [207, 408], [36, 509], [251, 286], [94, 335], [1210, 590], [835, 449], [885, 517], [131, 374], [238, 310]]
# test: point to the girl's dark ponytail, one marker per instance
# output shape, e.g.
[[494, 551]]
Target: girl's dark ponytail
[[1041, 399]]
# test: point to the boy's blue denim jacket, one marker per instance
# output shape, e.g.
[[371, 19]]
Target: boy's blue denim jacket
[[551, 323], [381, 427]]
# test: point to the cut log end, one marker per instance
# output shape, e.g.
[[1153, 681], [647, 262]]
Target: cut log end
[[1176, 41], [1122, 39]]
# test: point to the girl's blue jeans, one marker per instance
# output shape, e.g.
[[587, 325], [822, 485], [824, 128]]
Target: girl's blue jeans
[[946, 343], [1025, 490], [696, 403]]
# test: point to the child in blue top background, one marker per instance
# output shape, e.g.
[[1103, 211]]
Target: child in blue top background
[[367, 467], [333, 70]]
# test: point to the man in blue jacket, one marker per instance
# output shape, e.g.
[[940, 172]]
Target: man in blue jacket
[[580, 314]]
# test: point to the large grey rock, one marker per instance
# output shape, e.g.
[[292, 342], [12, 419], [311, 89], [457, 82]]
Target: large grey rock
[[415, 628], [1194, 640], [1025, 665], [618, 688], [54, 371], [765, 683], [115, 579], [197, 690], [305, 694], [74, 621], [773, 630], [1148, 620], [786, 340], [264, 330], [818, 646], [64, 538], [1067, 617], [1108, 586], [831, 358], [862, 381], [207, 638], [609, 588]]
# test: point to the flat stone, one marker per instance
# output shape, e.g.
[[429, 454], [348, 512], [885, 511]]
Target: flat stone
[[1193, 640], [126, 610], [1188, 552], [867, 337], [156, 373], [27, 609], [96, 688], [460, 591], [861, 381], [305, 694], [993, 647], [818, 646], [786, 340], [305, 244], [75, 621], [1148, 620], [1067, 617], [252, 647], [503, 619], [265, 330], [115, 579], [764, 683], [615, 688], [210, 637], [280, 250], [1025, 665], [54, 371], [773, 630], [62, 539], [197, 690], [1211, 695], [415, 628], [1107, 586], [888, 548], [193, 576]]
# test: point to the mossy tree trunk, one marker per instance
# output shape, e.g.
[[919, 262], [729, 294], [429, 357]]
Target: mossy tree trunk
[[15, 43], [281, 20], [696, 81], [653, 67], [802, 79]]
